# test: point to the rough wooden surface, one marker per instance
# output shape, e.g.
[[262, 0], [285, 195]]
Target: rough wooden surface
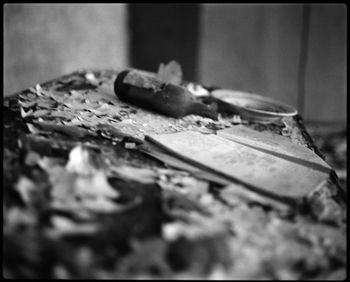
[[145, 219]]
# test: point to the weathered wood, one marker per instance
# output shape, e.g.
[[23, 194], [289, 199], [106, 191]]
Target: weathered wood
[[276, 145], [165, 222], [258, 170]]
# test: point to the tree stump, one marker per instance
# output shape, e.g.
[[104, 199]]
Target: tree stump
[[81, 201]]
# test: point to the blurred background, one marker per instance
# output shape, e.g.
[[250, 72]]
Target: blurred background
[[295, 53]]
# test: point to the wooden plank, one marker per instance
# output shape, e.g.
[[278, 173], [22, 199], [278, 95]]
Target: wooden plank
[[276, 145], [259, 171], [172, 161]]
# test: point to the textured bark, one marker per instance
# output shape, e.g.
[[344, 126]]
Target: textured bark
[[166, 222]]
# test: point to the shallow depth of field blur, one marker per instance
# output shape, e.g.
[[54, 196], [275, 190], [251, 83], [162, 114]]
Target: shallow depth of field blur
[[264, 48]]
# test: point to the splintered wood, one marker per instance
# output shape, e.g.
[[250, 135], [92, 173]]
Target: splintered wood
[[276, 145], [242, 164], [86, 195]]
